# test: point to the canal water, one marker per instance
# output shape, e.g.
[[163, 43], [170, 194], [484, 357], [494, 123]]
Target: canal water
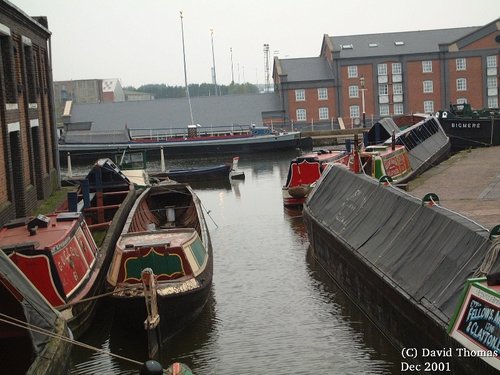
[[272, 310]]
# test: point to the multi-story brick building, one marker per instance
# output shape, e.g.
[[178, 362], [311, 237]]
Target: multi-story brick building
[[28, 140], [378, 75]]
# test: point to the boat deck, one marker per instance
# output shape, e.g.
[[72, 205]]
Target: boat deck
[[467, 183], [175, 237]]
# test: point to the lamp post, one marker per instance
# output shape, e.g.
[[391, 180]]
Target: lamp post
[[362, 84]]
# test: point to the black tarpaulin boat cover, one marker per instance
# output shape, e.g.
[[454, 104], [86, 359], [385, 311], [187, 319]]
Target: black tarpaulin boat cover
[[426, 252], [36, 309]]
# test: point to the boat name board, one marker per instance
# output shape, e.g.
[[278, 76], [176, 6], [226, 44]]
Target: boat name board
[[478, 324], [396, 164], [465, 125]]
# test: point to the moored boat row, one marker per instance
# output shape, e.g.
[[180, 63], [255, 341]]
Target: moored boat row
[[398, 154], [405, 262], [67, 254]]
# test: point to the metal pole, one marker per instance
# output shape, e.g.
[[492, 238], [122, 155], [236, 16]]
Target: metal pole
[[185, 70], [213, 60], [362, 81], [232, 67], [162, 159], [70, 170]]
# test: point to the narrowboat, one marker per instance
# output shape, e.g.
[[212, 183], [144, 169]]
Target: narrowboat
[[402, 260], [166, 234], [34, 338], [181, 142], [425, 141], [58, 254], [476, 323], [304, 171], [66, 254], [468, 128], [194, 174]]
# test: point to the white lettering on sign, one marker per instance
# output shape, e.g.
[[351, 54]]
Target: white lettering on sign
[[465, 125]]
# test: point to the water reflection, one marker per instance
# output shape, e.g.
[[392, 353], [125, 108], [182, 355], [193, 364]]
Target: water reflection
[[272, 308]]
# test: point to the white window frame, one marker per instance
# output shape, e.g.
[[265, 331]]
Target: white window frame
[[461, 63], [322, 93], [354, 111], [428, 106], [462, 101], [301, 114], [382, 69], [491, 61], [383, 89], [396, 68], [491, 82], [352, 71], [300, 95], [399, 109], [397, 89], [384, 110], [353, 91], [492, 101], [461, 84], [323, 113], [427, 66], [428, 86]]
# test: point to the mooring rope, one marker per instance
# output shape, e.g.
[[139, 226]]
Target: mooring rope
[[21, 324], [60, 307]]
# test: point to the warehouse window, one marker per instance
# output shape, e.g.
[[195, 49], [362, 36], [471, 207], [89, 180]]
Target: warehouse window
[[461, 84], [428, 87], [427, 66], [353, 92], [301, 114], [322, 93], [7, 74], [354, 111], [461, 64], [300, 95], [352, 71], [323, 113], [429, 106]]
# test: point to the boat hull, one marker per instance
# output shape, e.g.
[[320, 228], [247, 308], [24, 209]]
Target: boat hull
[[380, 278], [176, 311], [471, 132], [81, 315], [195, 174], [166, 233], [188, 147]]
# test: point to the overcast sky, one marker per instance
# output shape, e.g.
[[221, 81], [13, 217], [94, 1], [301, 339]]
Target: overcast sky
[[139, 41]]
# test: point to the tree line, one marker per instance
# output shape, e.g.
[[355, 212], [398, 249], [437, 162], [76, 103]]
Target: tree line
[[195, 89]]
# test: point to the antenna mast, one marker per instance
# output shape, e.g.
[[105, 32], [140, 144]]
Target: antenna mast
[[214, 75], [185, 72], [266, 68]]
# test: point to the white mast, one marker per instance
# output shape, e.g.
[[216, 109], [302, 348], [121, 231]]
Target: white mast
[[185, 72], [214, 74]]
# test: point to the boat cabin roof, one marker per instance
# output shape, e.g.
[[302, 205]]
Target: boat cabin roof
[[382, 150], [172, 237], [320, 155], [42, 232]]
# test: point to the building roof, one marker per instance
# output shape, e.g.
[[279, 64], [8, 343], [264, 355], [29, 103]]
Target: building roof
[[306, 69], [398, 43], [208, 111]]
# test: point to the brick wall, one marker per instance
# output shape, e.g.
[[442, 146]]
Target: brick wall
[[27, 156], [415, 86]]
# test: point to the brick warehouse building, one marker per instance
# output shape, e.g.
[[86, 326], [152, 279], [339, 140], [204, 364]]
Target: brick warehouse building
[[28, 141], [390, 74]]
